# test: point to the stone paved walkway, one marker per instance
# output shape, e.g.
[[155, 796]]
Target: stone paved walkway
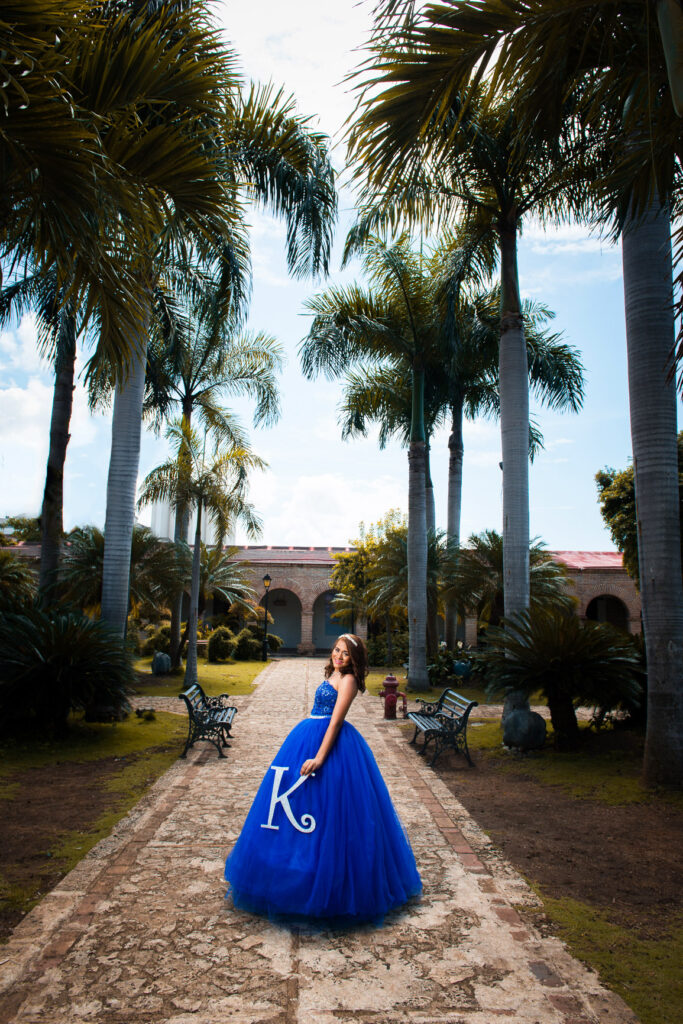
[[139, 932]]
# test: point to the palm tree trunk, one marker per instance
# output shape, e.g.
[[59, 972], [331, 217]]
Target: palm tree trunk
[[191, 664], [514, 428], [52, 511], [430, 507], [417, 543], [180, 530], [456, 452], [646, 253], [121, 491]]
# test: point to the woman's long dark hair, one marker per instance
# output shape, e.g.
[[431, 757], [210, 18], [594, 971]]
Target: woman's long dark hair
[[359, 659]]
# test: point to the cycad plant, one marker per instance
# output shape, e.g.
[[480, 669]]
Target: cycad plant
[[17, 582], [157, 569], [569, 662], [56, 662], [213, 486]]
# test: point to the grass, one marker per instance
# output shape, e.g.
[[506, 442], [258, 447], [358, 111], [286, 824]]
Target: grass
[[233, 677], [605, 769], [646, 973]]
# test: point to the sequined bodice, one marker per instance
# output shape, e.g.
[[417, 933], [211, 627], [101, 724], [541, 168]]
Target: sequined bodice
[[325, 699]]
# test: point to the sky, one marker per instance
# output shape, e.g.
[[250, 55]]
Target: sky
[[318, 489]]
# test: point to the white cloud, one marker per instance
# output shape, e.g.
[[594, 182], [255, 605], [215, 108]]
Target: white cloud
[[19, 349], [322, 509]]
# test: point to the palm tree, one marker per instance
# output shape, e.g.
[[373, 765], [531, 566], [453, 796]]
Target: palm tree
[[216, 488], [268, 151], [623, 66], [474, 578], [393, 319], [463, 382], [423, 155], [17, 582], [194, 361]]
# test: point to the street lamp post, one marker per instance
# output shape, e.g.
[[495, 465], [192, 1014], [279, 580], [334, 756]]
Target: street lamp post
[[266, 584]]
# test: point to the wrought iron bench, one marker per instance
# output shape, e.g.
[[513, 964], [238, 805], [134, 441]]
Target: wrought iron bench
[[443, 723], [210, 718]]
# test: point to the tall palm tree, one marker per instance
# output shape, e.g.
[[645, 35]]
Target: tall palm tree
[[624, 66], [195, 359], [463, 382], [216, 489], [392, 319], [420, 150], [269, 152]]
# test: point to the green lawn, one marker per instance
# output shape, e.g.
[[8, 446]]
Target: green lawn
[[233, 677], [377, 676]]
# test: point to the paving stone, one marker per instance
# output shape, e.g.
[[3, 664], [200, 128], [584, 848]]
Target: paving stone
[[140, 932]]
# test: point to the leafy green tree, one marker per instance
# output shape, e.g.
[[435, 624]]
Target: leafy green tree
[[215, 488], [24, 528], [617, 497], [551, 651]]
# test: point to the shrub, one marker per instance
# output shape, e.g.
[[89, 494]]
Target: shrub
[[254, 650], [378, 653], [222, 644], [52, 663], [243, 640], [570, 663], [274, 642], [158, 640]]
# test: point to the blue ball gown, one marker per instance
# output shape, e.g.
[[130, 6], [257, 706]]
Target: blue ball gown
[[327, 846]]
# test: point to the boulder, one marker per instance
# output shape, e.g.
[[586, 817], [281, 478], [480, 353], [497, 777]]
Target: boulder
[[515, 700], [161, 664], [524, 730]]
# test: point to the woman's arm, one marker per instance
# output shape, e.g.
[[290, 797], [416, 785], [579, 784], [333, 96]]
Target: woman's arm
[[348, 688]]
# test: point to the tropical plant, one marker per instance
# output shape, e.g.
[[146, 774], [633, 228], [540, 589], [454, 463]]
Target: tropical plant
[[391, 320], [621, 72], [258, 148], [215, 488], [551, 651], [56, 662], [194, 361], [25, 529], [17, 582], [474, 578], [157, 569]]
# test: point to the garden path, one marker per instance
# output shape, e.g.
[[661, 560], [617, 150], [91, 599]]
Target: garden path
[[139, 932]]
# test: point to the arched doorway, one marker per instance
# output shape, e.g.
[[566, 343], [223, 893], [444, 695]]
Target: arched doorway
[[325, 628], [285, 609], [607, 608]]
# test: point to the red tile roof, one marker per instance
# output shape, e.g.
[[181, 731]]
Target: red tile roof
[[589, 559]]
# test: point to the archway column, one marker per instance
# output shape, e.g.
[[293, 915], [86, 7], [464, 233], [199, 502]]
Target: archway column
[[306, 646]]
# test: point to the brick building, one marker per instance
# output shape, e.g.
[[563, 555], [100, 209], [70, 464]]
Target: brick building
[[300, 598]]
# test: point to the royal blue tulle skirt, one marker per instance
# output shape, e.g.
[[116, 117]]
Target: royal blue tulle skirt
[[329, 847]]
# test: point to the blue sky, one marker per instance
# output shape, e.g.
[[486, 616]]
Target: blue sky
[[319, 488]]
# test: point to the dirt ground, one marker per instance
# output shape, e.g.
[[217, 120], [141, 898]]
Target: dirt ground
[[48, 802], [622, 859]]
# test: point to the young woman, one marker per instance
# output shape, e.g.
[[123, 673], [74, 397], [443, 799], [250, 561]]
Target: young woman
[[322, 839]]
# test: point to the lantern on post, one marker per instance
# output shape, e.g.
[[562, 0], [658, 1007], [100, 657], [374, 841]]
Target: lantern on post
[[266, 583]]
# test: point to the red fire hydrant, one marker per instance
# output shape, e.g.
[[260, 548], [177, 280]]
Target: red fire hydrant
[[391, 693]]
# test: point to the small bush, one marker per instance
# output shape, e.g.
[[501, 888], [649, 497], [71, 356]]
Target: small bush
[[222, 645], [254, 650], [242, 641], [378, 652], [158, 640], [52, 663], [274, 642]]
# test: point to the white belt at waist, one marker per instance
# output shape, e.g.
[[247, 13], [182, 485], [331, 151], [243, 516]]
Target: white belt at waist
[[320, 716]]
